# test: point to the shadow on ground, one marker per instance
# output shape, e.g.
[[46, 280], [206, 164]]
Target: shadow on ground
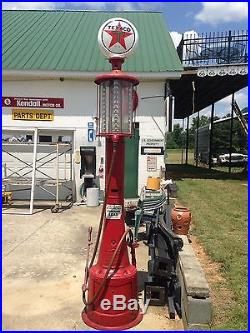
[[180, 171]]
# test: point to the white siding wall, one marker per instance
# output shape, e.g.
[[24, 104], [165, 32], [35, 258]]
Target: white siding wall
[[148, 128], [80, 108]]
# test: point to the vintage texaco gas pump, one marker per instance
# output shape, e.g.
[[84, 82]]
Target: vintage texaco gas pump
[[110, 287]]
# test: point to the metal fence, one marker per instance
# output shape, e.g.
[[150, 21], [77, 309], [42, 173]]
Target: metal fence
[[206, 49]]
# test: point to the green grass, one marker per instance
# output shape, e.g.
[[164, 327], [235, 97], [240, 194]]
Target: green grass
[[219, 209], [177, 156], [234, 169]]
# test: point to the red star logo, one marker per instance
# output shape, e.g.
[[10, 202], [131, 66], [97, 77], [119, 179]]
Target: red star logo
[[118, 36]]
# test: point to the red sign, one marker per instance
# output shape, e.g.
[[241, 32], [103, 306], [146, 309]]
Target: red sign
[[33, 102]]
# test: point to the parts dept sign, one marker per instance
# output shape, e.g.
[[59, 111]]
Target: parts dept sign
[[32, 114], [33, 102]]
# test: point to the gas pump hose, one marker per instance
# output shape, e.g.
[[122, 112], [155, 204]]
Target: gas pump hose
[[84, 288], [104, 205]]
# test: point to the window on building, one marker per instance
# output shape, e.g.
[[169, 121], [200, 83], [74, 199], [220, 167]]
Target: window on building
[[29, 138], [45, 138], [64, 139]]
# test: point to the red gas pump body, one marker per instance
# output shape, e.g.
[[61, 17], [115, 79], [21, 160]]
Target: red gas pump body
[[122, 278]]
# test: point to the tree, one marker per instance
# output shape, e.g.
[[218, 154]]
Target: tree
[[177, 135], [175, 139], [170, 143], [221, 135], [203, 120]]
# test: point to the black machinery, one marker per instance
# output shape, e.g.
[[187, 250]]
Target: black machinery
[[162, 286]]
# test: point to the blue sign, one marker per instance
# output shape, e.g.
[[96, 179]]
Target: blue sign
[[90, 125], [91, 135]]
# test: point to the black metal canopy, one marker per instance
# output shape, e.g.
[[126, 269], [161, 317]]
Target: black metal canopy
[[216, 63], [208, 90]]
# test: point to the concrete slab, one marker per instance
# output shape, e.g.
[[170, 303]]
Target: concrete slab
[[43, 259], [43, 264]]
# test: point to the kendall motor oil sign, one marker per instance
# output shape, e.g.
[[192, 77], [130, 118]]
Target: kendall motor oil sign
[[33, 102]]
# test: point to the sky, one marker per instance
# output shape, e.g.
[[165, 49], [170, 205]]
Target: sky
[[180, 17]]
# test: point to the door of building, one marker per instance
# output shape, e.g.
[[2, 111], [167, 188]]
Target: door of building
[[131, 165]]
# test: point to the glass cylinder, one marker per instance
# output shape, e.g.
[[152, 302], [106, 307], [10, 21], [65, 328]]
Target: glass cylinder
[[115, 107]]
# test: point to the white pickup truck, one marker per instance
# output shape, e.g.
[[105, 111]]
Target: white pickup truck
[[236, 159]]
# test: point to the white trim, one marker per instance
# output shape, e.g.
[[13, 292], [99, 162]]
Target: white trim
[[77, 75], [23, 128], [33, 182]]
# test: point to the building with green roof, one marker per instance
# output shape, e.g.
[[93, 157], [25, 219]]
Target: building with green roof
[[66, 41], [55, 55]]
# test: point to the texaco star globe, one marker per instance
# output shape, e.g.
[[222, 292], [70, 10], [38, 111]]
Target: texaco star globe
[[117, 37]]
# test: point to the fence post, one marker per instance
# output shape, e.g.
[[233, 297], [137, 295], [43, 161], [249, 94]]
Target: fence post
[[197, 139], [182, 143], [231, 135], [211, 136], [187, 140], [229, 46]]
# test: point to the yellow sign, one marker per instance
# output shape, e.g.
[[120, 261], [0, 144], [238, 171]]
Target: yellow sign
[[32, 114]]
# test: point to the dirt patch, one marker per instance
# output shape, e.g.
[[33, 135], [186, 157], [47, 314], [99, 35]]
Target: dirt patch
[[211, 268], [222, 297]]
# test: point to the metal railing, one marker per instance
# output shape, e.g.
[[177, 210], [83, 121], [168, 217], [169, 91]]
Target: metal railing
[[209, 49]]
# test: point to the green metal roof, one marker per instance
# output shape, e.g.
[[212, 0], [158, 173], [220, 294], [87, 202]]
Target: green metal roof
[[67, 41]]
